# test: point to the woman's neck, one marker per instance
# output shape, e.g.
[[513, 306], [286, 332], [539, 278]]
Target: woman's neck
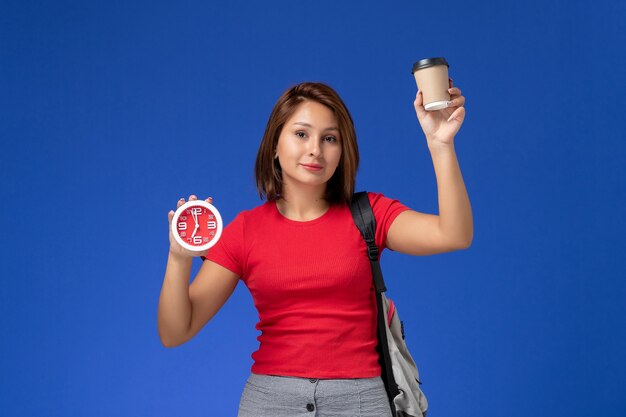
[[302, 204]]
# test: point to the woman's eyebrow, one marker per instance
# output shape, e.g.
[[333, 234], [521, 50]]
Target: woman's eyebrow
[[308, 125]]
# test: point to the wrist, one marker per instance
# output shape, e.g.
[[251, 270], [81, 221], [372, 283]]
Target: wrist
[[438, 148], [179, 257]]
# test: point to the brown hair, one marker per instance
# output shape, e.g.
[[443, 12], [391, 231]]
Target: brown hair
[[267, 169]]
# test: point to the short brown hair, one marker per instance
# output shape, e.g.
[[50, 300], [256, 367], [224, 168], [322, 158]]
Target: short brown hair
[[267, 169]]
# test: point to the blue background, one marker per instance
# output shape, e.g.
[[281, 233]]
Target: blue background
[[112, 111]]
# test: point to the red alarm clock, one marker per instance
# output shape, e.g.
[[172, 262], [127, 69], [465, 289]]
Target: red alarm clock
[[197, 225]]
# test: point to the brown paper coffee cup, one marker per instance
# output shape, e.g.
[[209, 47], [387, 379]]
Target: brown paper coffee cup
[[431, 76]]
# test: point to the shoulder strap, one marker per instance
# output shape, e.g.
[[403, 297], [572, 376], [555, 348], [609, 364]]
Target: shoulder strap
[[366, 223]]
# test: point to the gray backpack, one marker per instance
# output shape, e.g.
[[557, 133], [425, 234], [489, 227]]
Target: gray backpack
[[399, 372]]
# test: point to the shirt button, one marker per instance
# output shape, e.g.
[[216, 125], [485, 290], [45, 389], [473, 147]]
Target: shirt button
[[310, 407], [312, 380]]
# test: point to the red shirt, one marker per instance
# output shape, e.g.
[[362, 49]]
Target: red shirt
[[312, 285]]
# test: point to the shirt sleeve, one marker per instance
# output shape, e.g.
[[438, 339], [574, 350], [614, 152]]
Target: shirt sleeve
[[228, 251], [385, 212]]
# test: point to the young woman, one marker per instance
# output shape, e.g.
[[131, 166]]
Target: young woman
[[305, 263]]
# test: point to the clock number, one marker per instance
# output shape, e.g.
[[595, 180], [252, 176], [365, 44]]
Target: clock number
[[197, 210], [211, 225], [197, 240], [182, 226]]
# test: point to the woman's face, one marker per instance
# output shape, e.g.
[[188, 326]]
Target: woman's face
[[309, 146]]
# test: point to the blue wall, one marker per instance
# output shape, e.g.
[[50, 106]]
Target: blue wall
[[111, 112]]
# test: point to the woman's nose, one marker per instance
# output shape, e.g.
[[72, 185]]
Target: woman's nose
[[314, 146]]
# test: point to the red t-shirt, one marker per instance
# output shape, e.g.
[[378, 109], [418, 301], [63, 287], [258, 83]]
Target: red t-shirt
[[312, 285]]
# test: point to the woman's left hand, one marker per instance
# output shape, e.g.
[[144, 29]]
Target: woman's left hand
[[440, 126]]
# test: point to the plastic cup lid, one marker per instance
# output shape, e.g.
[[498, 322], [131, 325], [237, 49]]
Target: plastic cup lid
[[429, 62]]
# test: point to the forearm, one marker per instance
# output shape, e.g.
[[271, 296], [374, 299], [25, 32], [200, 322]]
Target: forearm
[[174, 315], [455, 211]]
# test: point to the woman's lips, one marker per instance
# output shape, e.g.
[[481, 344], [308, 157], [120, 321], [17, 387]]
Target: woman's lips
[[312, 167]]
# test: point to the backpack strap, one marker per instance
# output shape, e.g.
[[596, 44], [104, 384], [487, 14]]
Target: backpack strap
[[366, 223]]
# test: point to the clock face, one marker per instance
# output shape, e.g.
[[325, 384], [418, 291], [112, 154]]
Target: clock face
[[197, 225]]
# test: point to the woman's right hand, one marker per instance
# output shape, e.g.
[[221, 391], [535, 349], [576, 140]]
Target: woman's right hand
[[175, 248]]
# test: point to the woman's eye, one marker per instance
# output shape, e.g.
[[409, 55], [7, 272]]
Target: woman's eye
[[331, 139], [300, 134]]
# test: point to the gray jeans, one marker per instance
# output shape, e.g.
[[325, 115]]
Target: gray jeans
[[279, 396]]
